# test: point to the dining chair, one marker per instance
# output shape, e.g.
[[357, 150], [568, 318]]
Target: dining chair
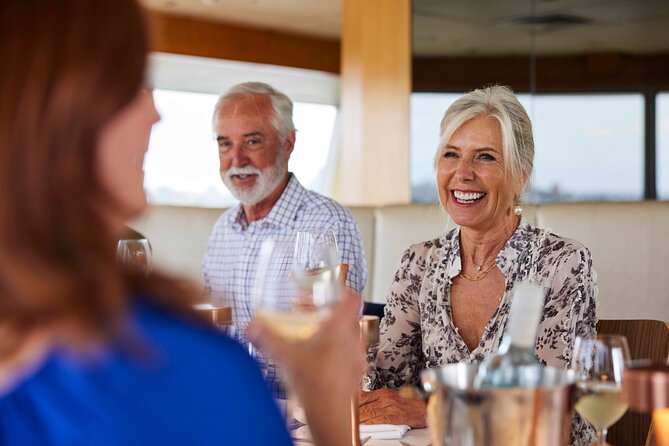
[[374, 309], [647, 339]]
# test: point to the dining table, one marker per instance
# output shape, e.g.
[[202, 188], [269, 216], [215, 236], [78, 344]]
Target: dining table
[[414, 437]]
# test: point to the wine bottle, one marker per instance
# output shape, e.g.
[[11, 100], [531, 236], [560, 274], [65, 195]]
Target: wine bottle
[[514, 363]]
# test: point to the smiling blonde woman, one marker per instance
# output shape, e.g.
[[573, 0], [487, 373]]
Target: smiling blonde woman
[[450, 298]]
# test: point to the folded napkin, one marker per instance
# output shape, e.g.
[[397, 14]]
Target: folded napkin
[[384, 431], [375, 431]]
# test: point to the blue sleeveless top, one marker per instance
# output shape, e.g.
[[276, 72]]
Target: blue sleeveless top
[[184, 385]]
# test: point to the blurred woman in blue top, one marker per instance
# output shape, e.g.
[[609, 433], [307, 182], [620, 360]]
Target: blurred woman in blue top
[[92, 352]]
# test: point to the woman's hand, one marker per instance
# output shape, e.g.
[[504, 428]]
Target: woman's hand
[[385, 406], [325, 371]]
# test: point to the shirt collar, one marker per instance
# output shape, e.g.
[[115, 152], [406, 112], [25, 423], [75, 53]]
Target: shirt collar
[[282, 213], [507, 257], [284, 210], [517, 246], [236, 216]]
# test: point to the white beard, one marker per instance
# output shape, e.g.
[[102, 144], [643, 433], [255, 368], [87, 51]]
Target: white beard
[[267, 180]]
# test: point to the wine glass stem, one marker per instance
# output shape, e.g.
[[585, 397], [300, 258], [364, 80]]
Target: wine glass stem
[[602, 437]]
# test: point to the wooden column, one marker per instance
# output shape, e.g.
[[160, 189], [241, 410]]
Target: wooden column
[[375, 89]]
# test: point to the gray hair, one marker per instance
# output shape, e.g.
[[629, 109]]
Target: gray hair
[[500, 103], [281, 104]]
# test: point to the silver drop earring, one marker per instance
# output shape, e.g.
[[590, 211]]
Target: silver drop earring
[[517, 208]]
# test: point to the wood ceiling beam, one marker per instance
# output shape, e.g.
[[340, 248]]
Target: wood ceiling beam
[[592, 72], [196, 37]]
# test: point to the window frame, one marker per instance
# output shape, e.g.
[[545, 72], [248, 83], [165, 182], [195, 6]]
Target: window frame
[[649, 120]]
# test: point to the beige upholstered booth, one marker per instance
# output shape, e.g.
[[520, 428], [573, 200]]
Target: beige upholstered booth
[[629, 243]]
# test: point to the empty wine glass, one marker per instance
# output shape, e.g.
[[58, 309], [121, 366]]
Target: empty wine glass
[[135, 253], [314, 249], [599, 365]]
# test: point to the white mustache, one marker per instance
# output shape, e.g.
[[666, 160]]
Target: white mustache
[[246, 170]]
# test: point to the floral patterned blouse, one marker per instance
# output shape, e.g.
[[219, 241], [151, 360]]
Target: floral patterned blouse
[[417, 331]]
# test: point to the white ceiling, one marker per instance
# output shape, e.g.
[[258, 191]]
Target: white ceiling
[[204, 75], [464, 27], [484, 27]]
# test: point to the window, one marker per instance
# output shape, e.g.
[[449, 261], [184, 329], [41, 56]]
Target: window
[[662, 140], [587, 147], [182, 163]]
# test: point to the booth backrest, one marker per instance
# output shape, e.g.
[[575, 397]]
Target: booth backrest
[[179, 237], [630, 250], [629, 243], [397, 228]]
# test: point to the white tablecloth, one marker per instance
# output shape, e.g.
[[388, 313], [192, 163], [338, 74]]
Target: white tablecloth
[[415, 437]]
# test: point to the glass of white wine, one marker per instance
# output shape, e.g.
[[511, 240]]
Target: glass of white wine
[[296, 285], [599, 365], [296, 288]]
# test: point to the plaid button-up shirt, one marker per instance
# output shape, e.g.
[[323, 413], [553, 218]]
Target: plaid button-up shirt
[[231, 259]]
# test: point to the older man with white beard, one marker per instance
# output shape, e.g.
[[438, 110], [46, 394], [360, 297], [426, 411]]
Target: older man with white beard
[[254, 129]]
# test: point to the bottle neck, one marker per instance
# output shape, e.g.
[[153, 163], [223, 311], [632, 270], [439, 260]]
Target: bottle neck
[[517, 347], [524, 317]]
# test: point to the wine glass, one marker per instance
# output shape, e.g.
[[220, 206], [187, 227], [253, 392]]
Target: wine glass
[[297, 285], [295, 290], [314, 249], [599, 365], [135, 253]]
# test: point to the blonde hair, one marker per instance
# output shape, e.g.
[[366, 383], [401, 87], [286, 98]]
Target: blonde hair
[[498, 102]]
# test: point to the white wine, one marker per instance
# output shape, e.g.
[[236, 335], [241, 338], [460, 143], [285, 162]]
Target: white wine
[[308, 277], [316, 288], [600, 403], [298, 326], [514, 363]]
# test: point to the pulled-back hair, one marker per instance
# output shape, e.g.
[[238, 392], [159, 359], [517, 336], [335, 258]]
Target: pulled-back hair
[[70, 66], [500, 103]]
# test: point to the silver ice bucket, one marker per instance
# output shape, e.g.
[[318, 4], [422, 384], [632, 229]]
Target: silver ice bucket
[[459, 415]]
